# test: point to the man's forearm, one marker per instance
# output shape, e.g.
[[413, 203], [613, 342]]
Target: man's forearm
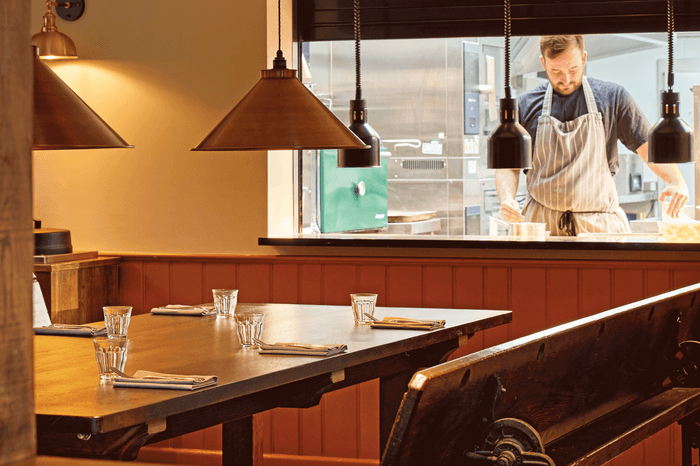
[[507, 183], [668, 172]]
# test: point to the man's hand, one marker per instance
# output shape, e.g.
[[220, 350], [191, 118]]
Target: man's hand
[[510, 211], [677, 191]]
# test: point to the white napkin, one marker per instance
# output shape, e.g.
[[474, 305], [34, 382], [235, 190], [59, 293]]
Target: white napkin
[[182, 310], [71, 330], [303, 349], [411, 324], [146, 379]]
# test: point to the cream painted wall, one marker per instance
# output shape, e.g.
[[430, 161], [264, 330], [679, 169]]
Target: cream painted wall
[[162, 73]]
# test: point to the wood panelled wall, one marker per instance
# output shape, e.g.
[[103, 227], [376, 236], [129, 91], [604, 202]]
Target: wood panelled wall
[[343, 429]]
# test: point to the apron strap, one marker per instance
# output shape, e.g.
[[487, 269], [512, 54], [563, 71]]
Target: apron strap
[[588, 93], [547, 105]]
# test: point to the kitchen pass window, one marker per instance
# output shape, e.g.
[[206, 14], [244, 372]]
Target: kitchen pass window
[[434, 102]]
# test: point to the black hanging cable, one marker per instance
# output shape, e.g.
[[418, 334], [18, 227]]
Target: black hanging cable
[[356, 27], [507, 47], [279, 62], [669, 20]]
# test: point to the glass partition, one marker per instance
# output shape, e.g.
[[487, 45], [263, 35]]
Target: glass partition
[[435, 101]]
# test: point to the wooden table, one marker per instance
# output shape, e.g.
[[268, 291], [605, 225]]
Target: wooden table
[[79, 416]]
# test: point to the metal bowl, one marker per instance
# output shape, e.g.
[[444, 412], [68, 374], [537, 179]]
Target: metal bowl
[[527, 229]]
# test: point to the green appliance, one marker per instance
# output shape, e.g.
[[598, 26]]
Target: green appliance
[[351, 199]]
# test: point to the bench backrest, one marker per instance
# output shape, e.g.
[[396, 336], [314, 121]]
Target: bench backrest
[[556, 380]]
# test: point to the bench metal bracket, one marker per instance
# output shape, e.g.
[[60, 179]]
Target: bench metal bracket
[[510, 442], [685, 370]]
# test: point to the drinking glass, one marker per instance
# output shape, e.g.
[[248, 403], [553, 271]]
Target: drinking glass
[[225, 302], [249, 326], [110, 352], [117, 320], [363, 303]]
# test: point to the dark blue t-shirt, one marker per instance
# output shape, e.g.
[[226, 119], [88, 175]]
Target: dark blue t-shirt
[[622, 118]]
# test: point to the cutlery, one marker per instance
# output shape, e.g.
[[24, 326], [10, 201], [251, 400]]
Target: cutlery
[[293, 345], [77, 327], [156, 377]]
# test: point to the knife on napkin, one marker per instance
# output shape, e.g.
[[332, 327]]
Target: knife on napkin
[[405, 323], [302, 349], [71, 330], [147, 379], [182, 310]]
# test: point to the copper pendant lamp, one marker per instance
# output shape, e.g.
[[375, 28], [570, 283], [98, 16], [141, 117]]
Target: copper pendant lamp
[[62, 120], [671, 139], [279, 113], [360, 158], [51, 43], [509, 145]]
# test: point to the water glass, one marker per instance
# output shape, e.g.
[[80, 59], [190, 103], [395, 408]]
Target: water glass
[[249, 326], [363, 303], [110, 352], [225, 302], [117, 320]]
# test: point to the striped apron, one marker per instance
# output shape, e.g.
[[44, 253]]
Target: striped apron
[[570, 187]]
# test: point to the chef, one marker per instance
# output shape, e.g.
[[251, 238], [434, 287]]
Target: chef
[[575, 123]]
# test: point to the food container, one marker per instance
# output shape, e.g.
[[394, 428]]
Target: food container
[[520, 229]]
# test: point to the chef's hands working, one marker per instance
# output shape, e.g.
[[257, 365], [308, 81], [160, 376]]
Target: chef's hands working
[[510, 211], [677, 192]]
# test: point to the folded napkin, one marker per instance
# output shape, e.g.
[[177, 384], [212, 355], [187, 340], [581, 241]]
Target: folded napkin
[[302, 349], [403, 322], [146, 379], [181, 310], [71, 330]]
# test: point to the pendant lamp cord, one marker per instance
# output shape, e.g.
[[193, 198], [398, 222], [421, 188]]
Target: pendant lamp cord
[[669, 19], [507, 47], [356, 30], [279, 25]]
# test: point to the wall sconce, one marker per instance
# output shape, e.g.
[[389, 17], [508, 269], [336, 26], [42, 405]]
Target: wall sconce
[[510, 145], [671, 139], [279, 113], [358, 115], [51, 43]]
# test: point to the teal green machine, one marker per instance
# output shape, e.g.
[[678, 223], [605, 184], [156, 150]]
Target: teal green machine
[[351, 199]]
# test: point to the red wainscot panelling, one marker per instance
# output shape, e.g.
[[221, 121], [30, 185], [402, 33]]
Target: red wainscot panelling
[[343, 429]]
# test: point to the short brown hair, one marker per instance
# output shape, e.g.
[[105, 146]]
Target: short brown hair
[[552, 46]]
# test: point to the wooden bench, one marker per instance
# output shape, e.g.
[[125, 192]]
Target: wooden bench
[[577, 394]]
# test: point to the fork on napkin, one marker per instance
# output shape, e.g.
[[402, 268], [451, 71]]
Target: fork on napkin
[[411, 324], [182, 310], [71, 330], [302, 349], [146, 379]]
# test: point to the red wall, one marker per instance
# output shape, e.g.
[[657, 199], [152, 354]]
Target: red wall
[[343, 429]]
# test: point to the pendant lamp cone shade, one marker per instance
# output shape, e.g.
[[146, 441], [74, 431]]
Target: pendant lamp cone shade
[[360, 158], [279, 113], [62, 120], [671, 138], [510, 145]]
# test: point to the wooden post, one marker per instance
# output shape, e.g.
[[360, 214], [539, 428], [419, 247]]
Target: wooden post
[[17, 425]]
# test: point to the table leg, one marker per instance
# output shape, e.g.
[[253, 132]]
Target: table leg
[[391, 391], [237, 443]]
